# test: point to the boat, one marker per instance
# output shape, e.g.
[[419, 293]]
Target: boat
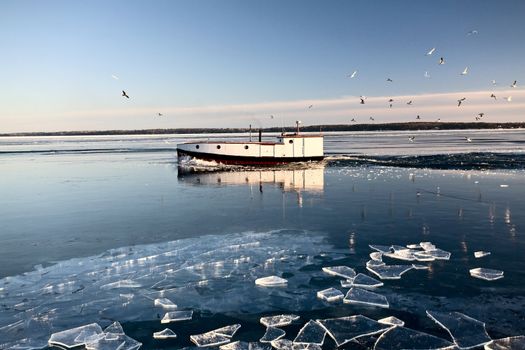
[[288, 148]]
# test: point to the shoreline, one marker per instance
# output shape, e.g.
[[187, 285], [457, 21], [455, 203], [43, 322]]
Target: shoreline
[[410, 126]]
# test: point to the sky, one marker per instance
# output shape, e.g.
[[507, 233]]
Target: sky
[[232, 63]]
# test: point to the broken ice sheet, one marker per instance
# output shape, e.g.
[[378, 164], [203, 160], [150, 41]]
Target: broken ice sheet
[[330, 294], [165, 334], [341, 271], [282, 344], [175, 316], [228, 331], [381, 248], [68, 337], [165, 303], [365, 297], [114, 328], [311, 333], [345, 329], [378, 256], [391, 320], [279, 320], [241, 345], [364, 281], [118, 342], [438, 254], [481, 254], [121, 284], [510, 343], [396, 338], [486, 274], [271, 334], [466, 331], [209, 339], [389, 272], [271, 281]]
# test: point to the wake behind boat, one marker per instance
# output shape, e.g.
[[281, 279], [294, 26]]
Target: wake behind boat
[[288, 148]]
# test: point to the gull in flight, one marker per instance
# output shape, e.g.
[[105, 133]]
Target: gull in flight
[[494, 82], [388, 79], [480, 115], [431, 51], [124, 94], [409, 103], [418, 117], [362, 98], [159, 114], [509, 98], [472, 32], [426, 75], [353, 120], [493, 96], [390, 101], [465, 71], [411, 138], [310, 106], [514, 84], [352, 75], [468, 139], [441, 60], [114, 76], [371, 118], [461, 100], [271, 117], [439, 119]]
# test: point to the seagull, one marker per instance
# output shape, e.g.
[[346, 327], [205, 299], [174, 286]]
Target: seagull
[[426, 75], [461, 100], [411, 138], [465, 71], [159, 114], [409, 102], [478, 118], [509, 98], [390, 101], [310, 106], [494, 82], [514, 84], [388, 79], [124, 94], [493, 96], [352, 75], [431, 51], [468, 139], [371, 118], [481, 115], [418, 117], [271, 117], [362, 98], [472, 32], [353, 120], [439, 119], [441, 60]]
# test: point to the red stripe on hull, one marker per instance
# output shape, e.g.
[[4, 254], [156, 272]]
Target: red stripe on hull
[[239, 160]]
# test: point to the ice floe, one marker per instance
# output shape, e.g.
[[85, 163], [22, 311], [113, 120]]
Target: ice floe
[[278, 320], [481, 254], [114, 342], [509, 343], [175, 316], [215, 337], [165, 303], [466, 331], [311, 333], [365, 297], [241, 345], [486, 274], [345, 329], [389, 272], [396, 338], [165, 334], [340, 271], [271, 334], [365, 281], [330, 294], [271, 281], [391, 320], [228, 331], [75, 336]]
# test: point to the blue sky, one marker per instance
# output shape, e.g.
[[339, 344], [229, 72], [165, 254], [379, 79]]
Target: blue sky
[[234, 63]]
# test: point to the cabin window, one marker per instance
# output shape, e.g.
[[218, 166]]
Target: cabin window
[[197, 147], [290, 141], [218, 146], [246, 147]]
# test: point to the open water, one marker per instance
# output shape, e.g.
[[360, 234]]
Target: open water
[[94, 229]]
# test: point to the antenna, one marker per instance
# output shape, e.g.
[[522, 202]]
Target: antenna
[[297, 122]]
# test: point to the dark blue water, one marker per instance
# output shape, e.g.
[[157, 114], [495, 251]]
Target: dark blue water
[[78, 214]]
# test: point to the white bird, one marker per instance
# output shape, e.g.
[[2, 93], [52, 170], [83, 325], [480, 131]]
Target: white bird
[[465, 71], [509, 98], [354, 73], [514, 84], [411, 138], [472, 32], [468, 139], [494, 82], [431, 51], [441, 60], [426, 75]]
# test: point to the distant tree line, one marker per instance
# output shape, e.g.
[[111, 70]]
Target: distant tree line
[[413, 126]]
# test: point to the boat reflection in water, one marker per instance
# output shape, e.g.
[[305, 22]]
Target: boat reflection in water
[[298, 179]]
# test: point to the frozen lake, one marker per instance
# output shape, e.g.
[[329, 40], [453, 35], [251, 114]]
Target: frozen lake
[[94, 229]]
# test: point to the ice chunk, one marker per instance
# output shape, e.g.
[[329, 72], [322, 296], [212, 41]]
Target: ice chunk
[[364, 281], [272, 333], [282, 344], [396, 338], [68, 337], [389, 272], [373, 263], [486, 274], [175, 316], [427, 246], [165, 334], [209, 339], [341, 271], [510, 343], [279, 320], [403, 254], [347, 283], [330, 294], [420, 267], [381, 248], [464, 330], [378, 256], [241, 345], [304, 346], [228, 331], [114, 342], [481, 254], [365, 297], [114, 328], [391, 320], [438, 254], [413, 246], [121, 284], [271, 281], [424, 256], [345, 329], [311, 333], [165, 303]]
